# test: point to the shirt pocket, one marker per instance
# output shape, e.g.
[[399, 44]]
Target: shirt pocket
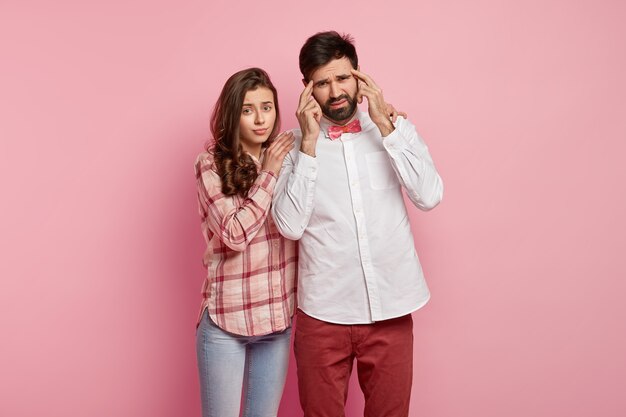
[[380, 172]]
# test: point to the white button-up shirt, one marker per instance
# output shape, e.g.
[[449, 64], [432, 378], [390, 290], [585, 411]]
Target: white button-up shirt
[[357, 259]]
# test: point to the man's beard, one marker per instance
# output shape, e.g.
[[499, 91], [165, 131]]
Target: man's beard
[[342, 113]]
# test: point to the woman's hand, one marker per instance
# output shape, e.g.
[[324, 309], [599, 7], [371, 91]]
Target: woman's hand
[[276, 152]]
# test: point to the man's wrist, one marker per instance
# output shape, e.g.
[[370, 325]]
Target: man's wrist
[[385, 127], [308, 146]]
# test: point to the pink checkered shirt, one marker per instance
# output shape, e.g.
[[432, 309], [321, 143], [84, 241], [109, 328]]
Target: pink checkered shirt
[[251, 269]]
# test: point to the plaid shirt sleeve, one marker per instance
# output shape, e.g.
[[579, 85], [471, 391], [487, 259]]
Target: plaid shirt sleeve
[[235, 225]]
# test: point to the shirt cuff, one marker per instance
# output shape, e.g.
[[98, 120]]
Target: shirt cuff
[[306, 166], [396, 141], [266, 180]]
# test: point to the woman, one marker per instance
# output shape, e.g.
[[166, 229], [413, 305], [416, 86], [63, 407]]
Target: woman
[[248, 294]]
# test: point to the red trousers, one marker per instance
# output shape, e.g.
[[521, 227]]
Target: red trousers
[[325, 353]]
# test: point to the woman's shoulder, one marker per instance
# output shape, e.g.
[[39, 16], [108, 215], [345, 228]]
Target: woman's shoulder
[[205, 161]]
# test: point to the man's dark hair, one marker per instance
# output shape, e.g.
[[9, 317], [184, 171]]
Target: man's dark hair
[[322, 48]]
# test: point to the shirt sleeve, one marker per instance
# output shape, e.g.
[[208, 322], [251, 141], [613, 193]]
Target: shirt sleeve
[[413, 165], [295, 191], [235, 225]]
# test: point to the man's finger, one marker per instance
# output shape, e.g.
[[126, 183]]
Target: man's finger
[[306, 93], [312, 104], [366, 79], [358, 75], [364, 91]]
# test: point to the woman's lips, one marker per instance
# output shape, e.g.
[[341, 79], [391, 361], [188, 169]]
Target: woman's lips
[[260, 132]]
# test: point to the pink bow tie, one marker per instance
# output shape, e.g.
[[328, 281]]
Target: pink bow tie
[[335, 132]]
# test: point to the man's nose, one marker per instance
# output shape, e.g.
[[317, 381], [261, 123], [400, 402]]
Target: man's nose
[[335, 91]]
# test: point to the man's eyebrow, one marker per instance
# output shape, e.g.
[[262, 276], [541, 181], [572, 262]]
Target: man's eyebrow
[[339, 77], [324, 80]]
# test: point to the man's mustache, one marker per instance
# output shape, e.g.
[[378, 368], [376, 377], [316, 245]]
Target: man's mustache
[[341, 97]]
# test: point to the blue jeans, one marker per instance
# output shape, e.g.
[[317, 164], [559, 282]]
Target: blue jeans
[[231, 366]]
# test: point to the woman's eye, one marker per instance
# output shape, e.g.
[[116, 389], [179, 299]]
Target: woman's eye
[[267, 108]]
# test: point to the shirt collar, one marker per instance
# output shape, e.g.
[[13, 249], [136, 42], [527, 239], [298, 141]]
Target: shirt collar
[[257, 161]]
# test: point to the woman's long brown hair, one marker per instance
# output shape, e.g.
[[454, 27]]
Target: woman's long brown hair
[[234, 166]]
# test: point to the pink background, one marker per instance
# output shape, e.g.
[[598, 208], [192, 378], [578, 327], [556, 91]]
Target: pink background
[[104, 105]]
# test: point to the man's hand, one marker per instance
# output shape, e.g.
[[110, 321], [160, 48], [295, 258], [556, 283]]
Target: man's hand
[[309, 115], [377, 107], [276, 152]]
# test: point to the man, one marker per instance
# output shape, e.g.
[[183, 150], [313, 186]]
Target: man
[[340, 193]]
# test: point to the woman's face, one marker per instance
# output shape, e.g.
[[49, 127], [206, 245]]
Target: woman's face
[[258, 115]]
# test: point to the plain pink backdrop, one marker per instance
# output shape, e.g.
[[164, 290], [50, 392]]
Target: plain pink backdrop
[[104, 105]]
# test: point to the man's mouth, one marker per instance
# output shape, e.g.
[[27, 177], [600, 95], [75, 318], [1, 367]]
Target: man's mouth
[[338, 103]]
